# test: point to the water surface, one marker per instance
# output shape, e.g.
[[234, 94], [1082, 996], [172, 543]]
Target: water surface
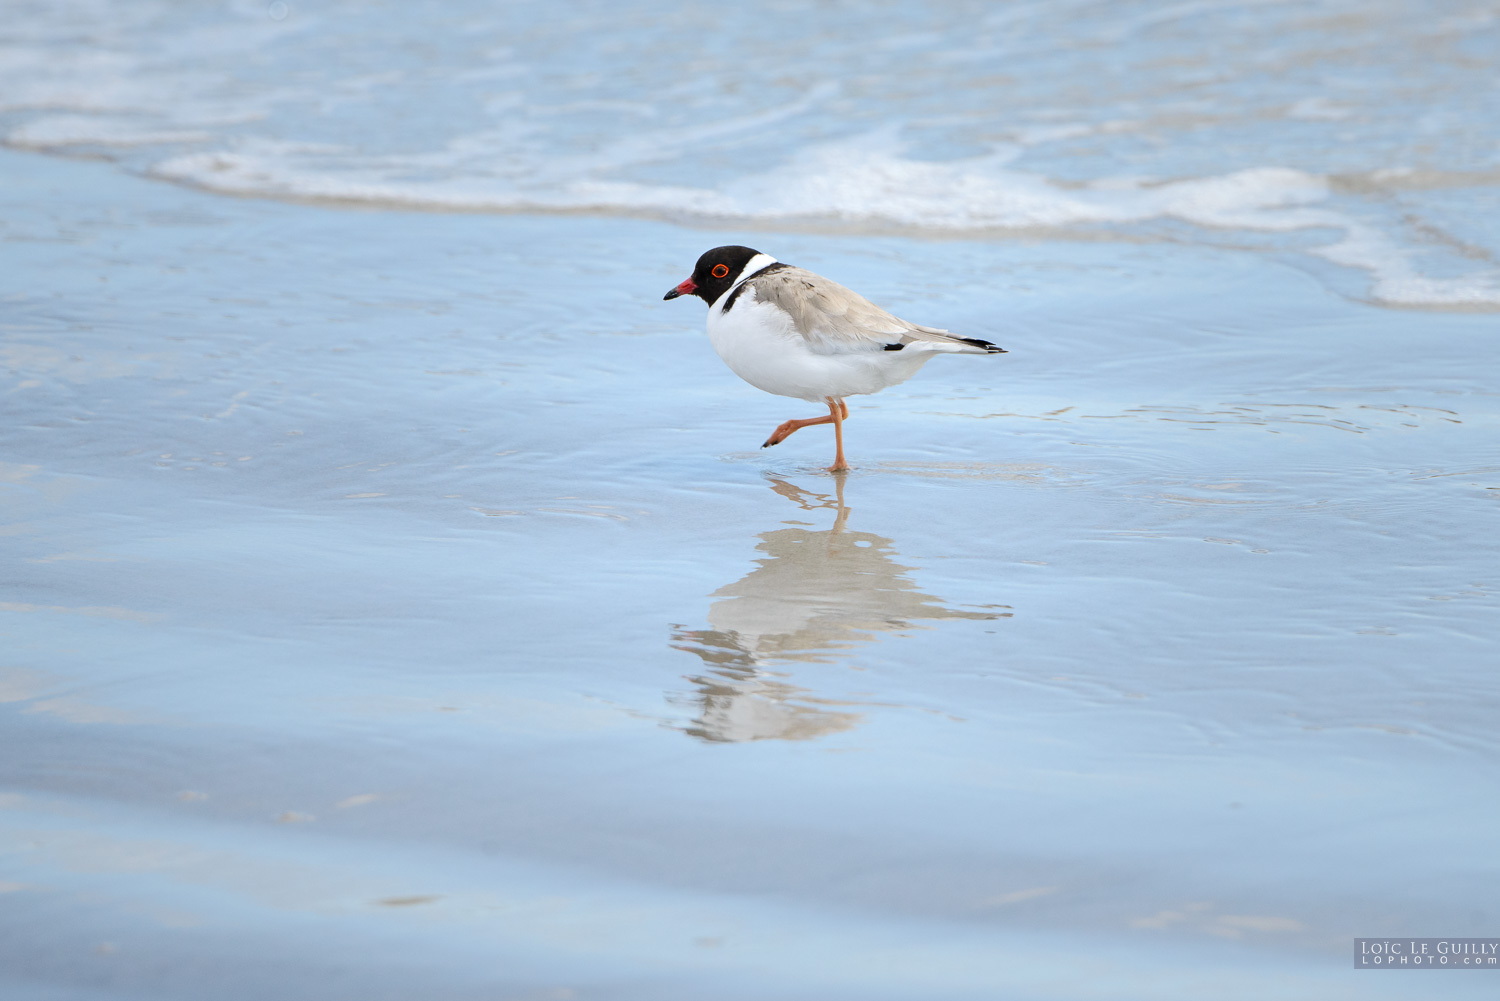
[[398, 603]]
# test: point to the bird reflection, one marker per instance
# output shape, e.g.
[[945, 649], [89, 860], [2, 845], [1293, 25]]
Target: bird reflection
[[814, 597]]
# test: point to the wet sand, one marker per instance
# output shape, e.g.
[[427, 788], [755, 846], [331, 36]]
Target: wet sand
[[399, 605]]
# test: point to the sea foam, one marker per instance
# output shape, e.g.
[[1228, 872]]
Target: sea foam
[[877, 188], [1029, 119]]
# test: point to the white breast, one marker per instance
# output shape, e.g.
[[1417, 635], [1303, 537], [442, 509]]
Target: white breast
[[761, 345]]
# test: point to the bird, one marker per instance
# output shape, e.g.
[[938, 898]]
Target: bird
[[791, 332]]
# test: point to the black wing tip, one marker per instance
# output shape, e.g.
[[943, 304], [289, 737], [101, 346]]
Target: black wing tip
[[989, 349]]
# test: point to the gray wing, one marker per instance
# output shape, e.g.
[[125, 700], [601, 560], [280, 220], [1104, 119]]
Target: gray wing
[[835, 319]]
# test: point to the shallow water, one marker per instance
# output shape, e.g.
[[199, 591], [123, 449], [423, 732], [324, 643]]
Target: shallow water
[[1357, 137], [398, 603]]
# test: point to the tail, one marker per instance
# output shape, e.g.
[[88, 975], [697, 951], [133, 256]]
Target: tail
[[985, 346], [947, 343]]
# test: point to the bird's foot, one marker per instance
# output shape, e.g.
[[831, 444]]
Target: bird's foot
[[782, 433]]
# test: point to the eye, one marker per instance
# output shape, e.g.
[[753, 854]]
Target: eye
[[719, 271]]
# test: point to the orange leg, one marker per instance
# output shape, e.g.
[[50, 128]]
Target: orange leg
[[837, 411], [784, 432]]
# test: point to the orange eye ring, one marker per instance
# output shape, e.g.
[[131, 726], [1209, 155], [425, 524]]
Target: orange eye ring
[[720, 271]]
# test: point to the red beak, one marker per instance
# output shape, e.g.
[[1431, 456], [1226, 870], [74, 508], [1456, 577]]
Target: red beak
[[686, 288]]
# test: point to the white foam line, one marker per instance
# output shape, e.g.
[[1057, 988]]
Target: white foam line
[[862, 181], [1397, 283]]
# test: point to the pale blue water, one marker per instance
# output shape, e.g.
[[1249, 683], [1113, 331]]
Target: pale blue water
[[397, 603]]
